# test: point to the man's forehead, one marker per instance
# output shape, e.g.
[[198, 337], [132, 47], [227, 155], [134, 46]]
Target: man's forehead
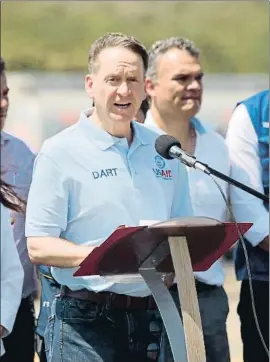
[[178, 59], [114, 58]]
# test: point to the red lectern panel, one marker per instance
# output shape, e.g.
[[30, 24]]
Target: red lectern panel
[[127, 248]]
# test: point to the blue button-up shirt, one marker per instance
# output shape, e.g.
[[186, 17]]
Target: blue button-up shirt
[[86, 183], [16, 169], [11, 277]]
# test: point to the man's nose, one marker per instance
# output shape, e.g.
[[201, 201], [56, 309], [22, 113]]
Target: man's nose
[[123, 89], [4, 102], [195, 84]]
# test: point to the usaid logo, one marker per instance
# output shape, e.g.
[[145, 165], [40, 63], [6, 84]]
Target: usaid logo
[[160, 170], [160, 162]]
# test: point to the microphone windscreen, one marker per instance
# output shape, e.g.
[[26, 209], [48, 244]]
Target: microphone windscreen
[[163, 145]]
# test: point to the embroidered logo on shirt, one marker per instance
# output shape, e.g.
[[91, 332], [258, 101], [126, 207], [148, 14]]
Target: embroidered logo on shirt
[[104, 173], [160, 162], [265, 124], [161, 171]]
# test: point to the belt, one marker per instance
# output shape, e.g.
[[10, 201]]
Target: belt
[[203, 287], [111, 300], [200, 287]]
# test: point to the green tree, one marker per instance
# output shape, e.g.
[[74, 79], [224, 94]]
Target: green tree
[[232, 36]]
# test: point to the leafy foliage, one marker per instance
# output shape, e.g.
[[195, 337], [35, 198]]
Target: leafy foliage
[[232, 35]]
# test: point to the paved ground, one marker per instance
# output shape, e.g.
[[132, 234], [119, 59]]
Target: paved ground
[[232, 287]]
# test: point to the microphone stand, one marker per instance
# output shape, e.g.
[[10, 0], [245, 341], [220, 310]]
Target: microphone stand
[[238, 184], [189, 160], [211, 171]]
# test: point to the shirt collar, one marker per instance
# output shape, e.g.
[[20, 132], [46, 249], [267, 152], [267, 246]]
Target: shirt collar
[[102, 138], [149, 121]]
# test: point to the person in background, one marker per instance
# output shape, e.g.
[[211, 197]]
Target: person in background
[[102, 319], [141, 114], [49, 289], [248, 143], [174, 84], [16, 168], [11, 268]]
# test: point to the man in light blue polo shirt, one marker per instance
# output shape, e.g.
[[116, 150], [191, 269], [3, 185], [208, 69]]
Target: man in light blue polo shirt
[[89, 179], [175, 87]]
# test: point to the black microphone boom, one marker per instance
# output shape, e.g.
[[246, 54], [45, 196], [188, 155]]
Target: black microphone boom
[[168, 147]]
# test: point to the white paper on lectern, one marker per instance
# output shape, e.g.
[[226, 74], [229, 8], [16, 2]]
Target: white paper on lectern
[[148, 222]]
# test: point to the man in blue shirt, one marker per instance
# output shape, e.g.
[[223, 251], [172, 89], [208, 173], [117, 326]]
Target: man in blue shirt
[[141, 114], [248, 142], [16, 169], [174, 83], [89, 179]]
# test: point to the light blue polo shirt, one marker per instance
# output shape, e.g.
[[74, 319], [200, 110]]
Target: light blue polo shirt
[[205, 195], [86, 183]]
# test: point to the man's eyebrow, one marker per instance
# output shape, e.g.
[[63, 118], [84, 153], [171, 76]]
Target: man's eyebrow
[[111, 75], [129, 75], [187, 73]]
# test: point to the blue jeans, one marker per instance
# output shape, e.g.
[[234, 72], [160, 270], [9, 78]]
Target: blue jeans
[[83, 331], [49, 289]]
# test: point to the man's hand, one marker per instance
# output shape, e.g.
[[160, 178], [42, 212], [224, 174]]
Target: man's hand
[[265, 244]]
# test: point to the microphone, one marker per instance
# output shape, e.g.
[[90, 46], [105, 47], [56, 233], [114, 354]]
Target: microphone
[[168, 147]]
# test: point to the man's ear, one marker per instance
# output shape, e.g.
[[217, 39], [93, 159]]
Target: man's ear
[[89, 85], [144, 91], [149, 87]]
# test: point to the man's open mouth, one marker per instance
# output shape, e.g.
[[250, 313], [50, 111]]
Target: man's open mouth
[[191, 97], [122, 105]]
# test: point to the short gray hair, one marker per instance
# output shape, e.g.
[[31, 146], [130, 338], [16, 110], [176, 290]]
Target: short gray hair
[[161, 47], [115, 40]]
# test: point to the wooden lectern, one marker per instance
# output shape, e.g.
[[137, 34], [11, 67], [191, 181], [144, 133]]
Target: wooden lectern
[[178, 246]]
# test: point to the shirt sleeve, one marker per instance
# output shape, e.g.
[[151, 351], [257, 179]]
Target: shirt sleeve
[[47, 205], [182, 206], [242, 143], [11, 275]]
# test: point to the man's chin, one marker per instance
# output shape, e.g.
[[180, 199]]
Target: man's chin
[[125, 118], [191, 111]]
